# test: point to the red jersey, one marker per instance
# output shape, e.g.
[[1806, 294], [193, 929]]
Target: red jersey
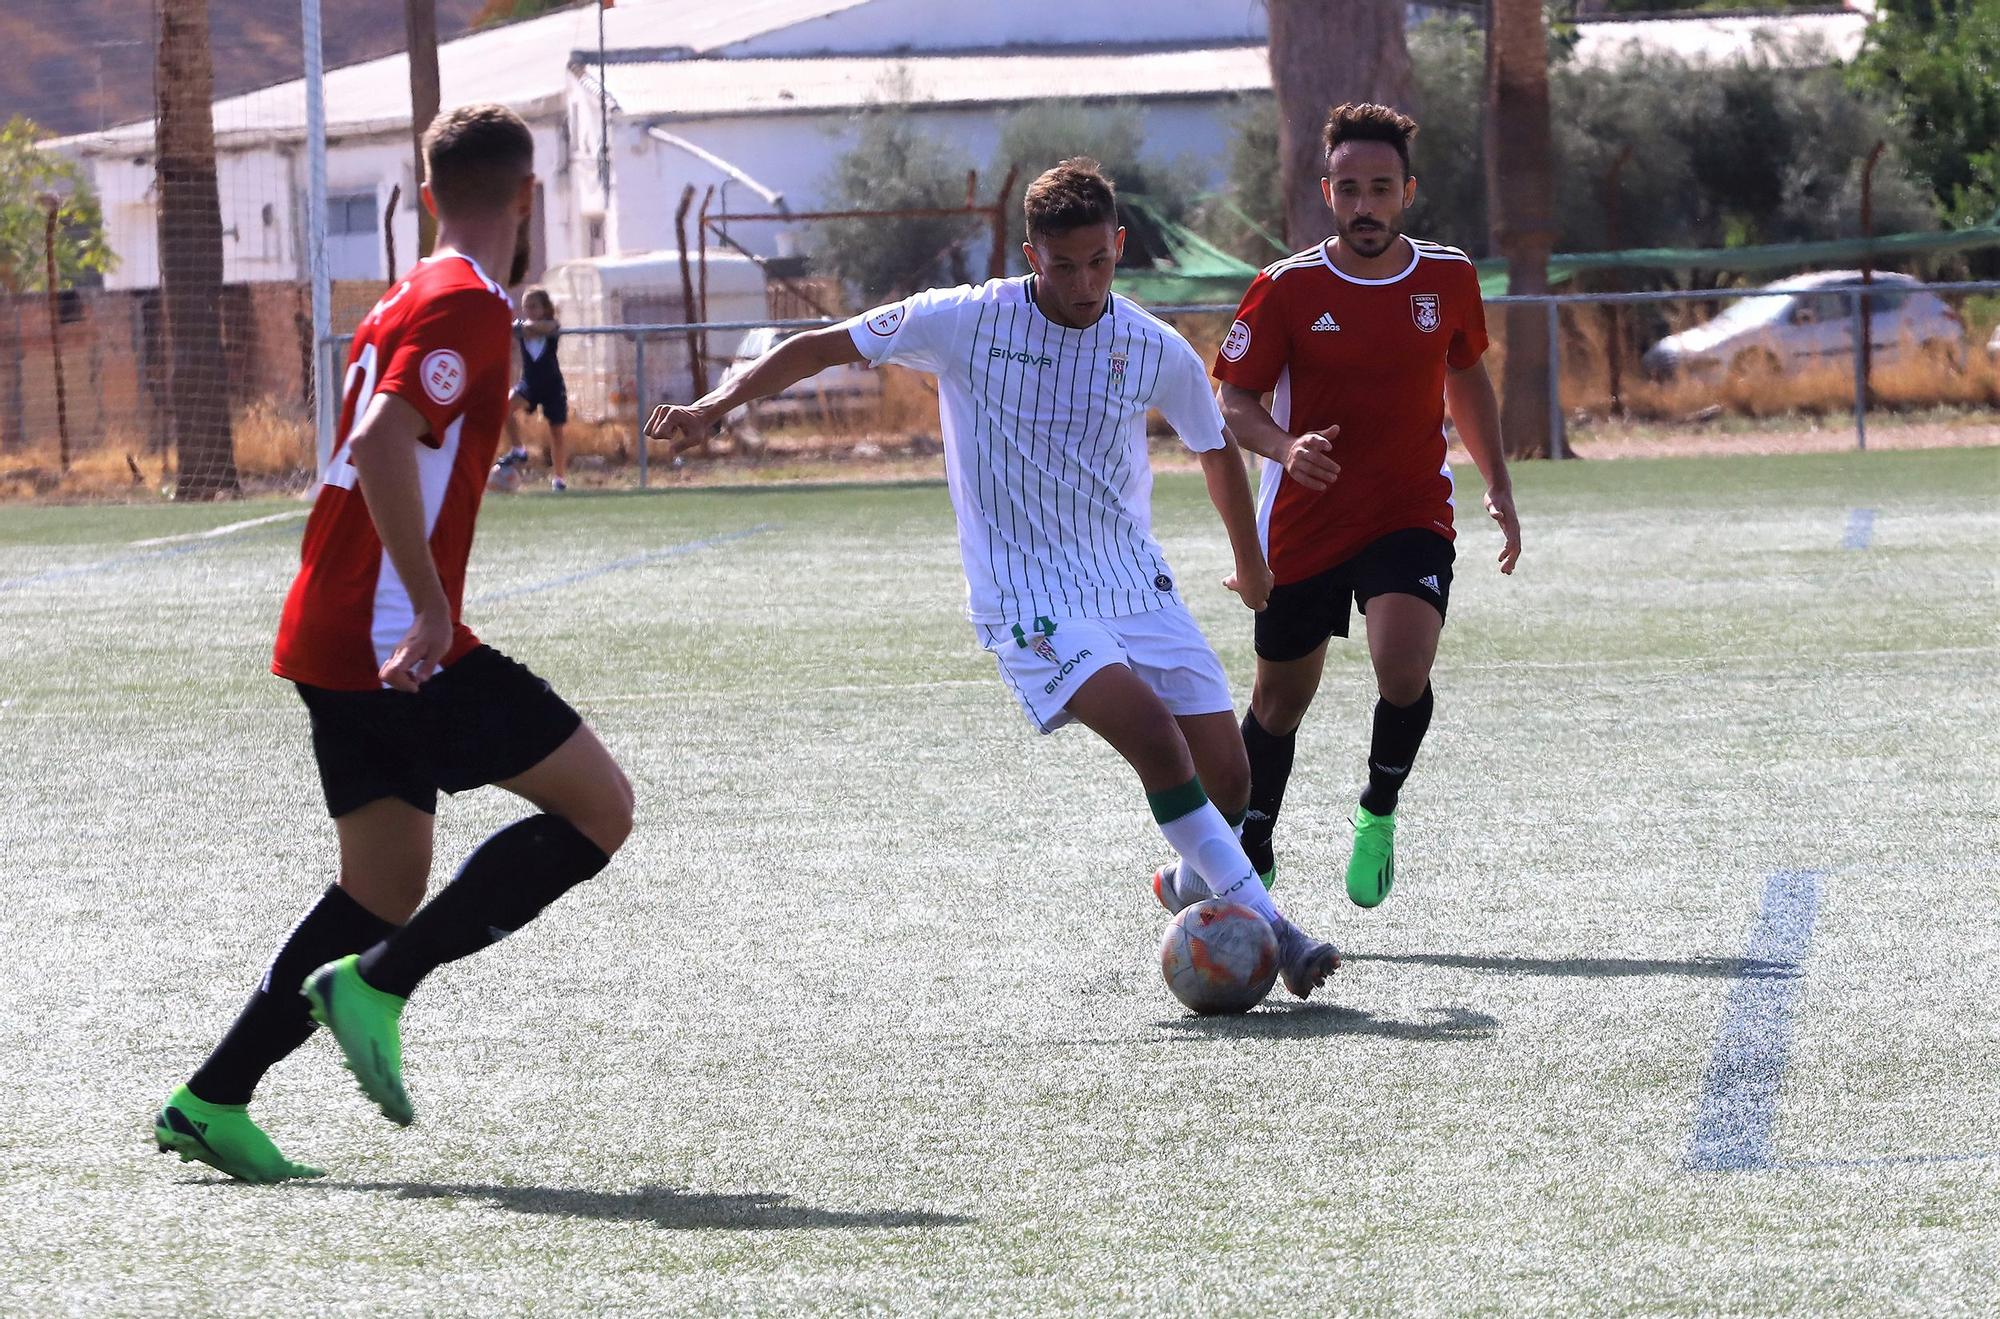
[[1368, 356], [442, 341]]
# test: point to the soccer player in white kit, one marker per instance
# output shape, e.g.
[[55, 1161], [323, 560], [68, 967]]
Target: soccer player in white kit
[[1044, 383]]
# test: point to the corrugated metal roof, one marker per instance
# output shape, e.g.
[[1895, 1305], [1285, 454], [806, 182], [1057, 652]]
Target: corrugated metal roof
[[1780, 38], [703, 88], [523, 65]]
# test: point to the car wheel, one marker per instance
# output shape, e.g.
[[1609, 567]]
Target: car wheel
[[1754, 364], [1946, 354]]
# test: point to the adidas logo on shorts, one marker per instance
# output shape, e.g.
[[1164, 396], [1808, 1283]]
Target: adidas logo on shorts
[[1326, 322], [1430, 584]]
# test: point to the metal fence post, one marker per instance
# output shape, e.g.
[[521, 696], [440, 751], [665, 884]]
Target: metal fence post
[[1860, 370], [639, 362], [1558, 448]]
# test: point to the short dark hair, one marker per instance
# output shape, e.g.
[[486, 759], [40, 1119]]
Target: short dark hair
[[1360, 121], [476, 156], [1070, 196]]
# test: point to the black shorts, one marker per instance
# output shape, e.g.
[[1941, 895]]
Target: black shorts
[[1302, 615], [554, 407], [478, 721]]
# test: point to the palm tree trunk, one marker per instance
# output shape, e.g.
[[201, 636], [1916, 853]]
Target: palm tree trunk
[[1520, 181], [1324, 52], [191, 253]]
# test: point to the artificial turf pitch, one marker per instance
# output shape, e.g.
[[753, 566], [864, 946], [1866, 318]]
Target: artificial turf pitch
[[867, 1015]]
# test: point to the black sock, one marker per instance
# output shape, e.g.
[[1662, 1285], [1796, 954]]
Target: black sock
[[274, 1021], [1399, 731], [502, 886], [1270, 769]]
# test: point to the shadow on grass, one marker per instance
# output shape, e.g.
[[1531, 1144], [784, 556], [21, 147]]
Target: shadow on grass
[[1718, 968], [662, 1206], [1307, 1020]]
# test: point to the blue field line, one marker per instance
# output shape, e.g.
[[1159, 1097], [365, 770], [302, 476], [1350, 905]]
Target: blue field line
[[620, 565], [1738, 1112], [1860, 529], [127, 560]]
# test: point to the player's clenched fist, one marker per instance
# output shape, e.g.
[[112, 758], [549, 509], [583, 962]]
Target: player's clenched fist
[[681, 427], [1309, 460]]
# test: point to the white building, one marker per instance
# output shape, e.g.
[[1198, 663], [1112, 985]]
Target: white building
[[753, 97]]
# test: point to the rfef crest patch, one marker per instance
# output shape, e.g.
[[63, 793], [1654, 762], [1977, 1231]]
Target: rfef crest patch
[[443, 374], [1424, 310], [886, 321], [1237, 342]]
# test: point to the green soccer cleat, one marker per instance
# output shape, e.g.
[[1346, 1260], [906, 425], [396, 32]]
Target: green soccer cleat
[[1372, 868], [365, 1022], [223, 1137]]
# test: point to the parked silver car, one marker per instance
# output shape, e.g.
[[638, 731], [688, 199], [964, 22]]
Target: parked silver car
[[835, 392], [1808, 321]]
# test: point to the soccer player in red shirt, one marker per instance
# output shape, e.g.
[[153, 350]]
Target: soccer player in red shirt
[[1363, 341], [403, 698]]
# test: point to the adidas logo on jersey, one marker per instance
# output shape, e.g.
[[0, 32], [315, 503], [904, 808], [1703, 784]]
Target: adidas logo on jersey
[[1326, 322]]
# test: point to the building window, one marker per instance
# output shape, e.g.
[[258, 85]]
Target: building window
[[351, 213]]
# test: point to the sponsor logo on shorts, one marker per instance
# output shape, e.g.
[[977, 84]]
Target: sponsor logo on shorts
[[443, 374], [1049, 688], [1237, 342], [1430, 584], [1424, 311], [885, 321]]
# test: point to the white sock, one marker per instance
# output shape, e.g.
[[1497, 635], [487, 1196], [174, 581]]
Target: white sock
[[1210, 848]]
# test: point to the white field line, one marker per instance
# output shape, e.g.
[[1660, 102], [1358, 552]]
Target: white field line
[[227, 528]]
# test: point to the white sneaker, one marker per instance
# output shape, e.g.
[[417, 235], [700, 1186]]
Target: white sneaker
[[557, 484]]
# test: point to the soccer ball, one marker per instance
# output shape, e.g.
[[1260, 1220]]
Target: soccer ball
[[1219, 957], [505, 477]]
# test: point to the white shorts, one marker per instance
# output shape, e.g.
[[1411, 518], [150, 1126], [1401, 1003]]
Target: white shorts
[[1165, 647]]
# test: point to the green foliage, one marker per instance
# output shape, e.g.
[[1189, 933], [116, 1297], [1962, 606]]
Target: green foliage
[[507, 11], [1938, 63], [894, 165], [1724, 155], [1247, 219], [27, 174], [1044, 133]]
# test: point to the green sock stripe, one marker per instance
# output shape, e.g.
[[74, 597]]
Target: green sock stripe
[[1172, 804], [1235, 821]]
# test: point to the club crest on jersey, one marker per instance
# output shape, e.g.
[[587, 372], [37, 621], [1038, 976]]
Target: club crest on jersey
[[885, 321], [443, 374], [1424, 310], [1118, 361], [1237, 342]]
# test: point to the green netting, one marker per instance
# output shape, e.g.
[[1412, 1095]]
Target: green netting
[[1187, 268]]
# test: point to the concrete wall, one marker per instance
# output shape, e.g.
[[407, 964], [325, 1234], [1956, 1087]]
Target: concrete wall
[[795, 153], [262, 195]]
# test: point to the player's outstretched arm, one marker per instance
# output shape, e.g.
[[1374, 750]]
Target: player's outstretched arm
[[384, 454], [1229, 491], [1475, 410], [1306, 458], [797, 358]]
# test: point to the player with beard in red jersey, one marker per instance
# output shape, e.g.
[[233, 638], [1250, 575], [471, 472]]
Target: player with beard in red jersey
[[404, 700], [1362, 341]]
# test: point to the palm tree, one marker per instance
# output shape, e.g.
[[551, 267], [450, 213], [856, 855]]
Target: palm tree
[[191, 253], [1322, 54], [1520, 183]]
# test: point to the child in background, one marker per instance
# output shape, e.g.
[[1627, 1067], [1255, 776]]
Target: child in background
[[540, 386]]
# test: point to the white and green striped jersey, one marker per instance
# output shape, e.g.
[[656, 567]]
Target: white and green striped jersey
[[1045, 442]]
